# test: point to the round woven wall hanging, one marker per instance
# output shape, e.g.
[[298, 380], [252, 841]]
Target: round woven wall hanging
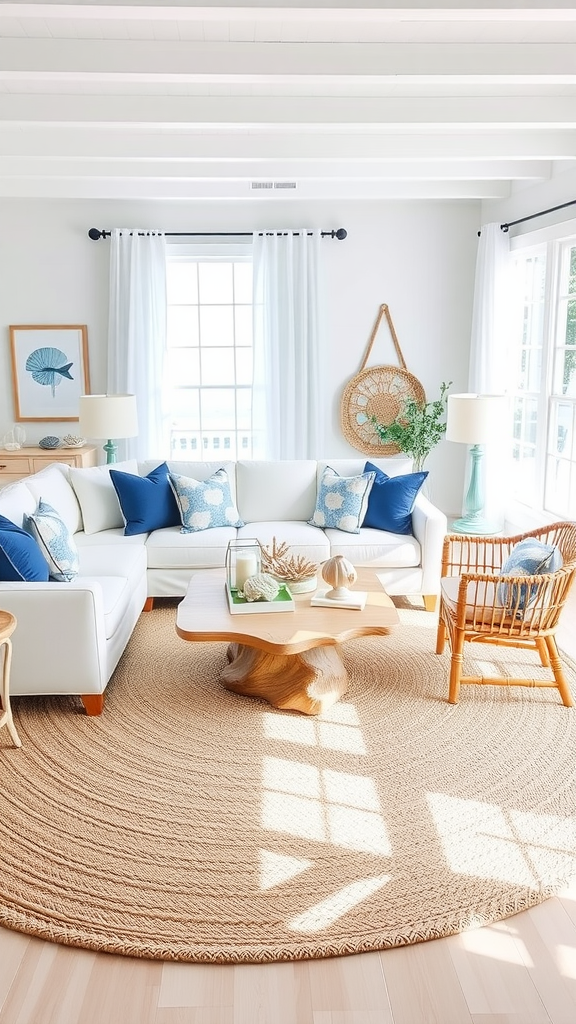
[[379, 391]]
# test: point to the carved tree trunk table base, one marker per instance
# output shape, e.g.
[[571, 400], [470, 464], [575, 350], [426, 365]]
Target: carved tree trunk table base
[[309, 682]]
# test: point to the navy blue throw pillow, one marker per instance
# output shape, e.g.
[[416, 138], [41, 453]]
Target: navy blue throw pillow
[[147, 502], [392, 499], [21, 559]]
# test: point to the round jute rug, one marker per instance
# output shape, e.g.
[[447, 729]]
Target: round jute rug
[[190, 823]]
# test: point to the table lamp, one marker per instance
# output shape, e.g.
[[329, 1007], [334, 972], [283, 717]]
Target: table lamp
[[109, 416], [475, 420]]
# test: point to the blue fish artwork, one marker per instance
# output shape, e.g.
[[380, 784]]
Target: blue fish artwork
[[48, 366]]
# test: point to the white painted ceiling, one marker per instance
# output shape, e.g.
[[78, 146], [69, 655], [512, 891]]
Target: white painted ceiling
[[321, 100]]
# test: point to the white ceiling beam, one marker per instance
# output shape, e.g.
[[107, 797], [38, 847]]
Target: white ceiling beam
[[418, 113], [276, 10], [309, 170], [145, 60], [138, 188], [248, 144]]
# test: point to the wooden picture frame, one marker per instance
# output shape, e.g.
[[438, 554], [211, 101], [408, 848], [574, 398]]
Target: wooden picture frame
[[49, 371]]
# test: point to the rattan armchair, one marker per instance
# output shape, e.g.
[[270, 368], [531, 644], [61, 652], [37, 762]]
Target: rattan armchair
[[472, 609]]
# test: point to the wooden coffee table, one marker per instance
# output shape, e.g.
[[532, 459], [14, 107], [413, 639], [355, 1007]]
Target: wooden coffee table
[[288, 658]]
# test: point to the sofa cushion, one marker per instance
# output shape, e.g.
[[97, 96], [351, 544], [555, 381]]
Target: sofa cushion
[[375, 547], [52, 485], [341, 501], [21, 559], [204, 549], [276, 491], [303, 539], [124, 560], [391, 500], [204, 504], [147, 503], [98, 499], [55, 541]]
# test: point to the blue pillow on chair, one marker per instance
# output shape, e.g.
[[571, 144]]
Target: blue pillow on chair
[[530, 557], [392, 499], [147, 502], [21, 559]]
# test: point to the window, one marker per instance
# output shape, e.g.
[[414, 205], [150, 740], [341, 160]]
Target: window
[[543, 377], [209, 351]]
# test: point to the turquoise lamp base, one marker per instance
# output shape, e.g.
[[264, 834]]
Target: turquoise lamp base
[[472, 521], [111, 449]]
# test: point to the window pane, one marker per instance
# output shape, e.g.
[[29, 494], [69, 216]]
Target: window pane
[[244, 404], [243, 321], [182, 283], [243, 283], [572, 271], [216, 325], [215, 282], [557, 496], [185, 408], [244, 366], [217, 366], [218, 408], [183, 367], [524, 473], [182, 326]]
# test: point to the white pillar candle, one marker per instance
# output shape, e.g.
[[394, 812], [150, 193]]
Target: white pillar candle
[[246, 566]]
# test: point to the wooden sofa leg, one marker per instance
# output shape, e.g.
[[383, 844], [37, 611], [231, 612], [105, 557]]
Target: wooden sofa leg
[[148, 604], [93, 702], [430, 602]]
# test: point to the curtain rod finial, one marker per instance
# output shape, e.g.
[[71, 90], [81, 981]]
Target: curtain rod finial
[[95, 234], [341, 234]]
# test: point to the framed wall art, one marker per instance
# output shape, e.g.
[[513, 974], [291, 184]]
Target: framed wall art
[[49, 370]]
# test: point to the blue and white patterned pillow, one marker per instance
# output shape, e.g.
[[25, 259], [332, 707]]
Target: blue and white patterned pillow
[[530, 557], [341, 501], [55, 540], [204, 503]]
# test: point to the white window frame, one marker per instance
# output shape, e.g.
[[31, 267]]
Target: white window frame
[[551, 241], [224, 252]]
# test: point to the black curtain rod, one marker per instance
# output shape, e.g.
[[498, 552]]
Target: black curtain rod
[[340, 234], [552, 209]]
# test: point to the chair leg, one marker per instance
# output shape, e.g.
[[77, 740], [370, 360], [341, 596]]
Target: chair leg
[[543, 651], [456, 667], [556, 665], [429, 602], [440, 636]]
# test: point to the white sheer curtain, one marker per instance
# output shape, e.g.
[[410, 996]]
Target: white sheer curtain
[[288, 408], [137, 333], [489, 346]]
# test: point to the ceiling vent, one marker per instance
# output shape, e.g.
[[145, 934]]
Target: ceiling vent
[[272, 184]]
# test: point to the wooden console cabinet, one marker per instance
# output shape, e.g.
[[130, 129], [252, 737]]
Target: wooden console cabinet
[[24, 461]]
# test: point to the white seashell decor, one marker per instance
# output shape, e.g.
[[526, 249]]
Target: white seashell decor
[[261, 587]]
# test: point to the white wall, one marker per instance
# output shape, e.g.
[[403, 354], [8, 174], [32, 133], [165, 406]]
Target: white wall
[[419, 258]]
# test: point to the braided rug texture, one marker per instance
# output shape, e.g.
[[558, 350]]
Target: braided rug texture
[[189, 823]]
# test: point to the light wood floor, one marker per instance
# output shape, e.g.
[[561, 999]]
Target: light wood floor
[[520, 971]]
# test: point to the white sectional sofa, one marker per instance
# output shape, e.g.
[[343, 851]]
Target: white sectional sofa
[[70, 635]]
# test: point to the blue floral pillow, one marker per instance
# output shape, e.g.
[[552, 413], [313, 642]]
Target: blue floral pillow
[[530, 557], [204, 503], [56, 542], [341, 501]]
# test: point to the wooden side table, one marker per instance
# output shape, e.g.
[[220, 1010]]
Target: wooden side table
[[7, 627]]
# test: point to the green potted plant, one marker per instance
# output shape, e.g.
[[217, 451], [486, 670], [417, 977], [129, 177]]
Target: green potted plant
[[417, 428]]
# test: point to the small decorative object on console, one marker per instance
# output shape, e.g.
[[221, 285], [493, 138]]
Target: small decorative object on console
[[70, 441], [339, 573], [50, 441], [14, 439]]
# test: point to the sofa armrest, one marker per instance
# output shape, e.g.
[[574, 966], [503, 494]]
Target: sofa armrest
[[430, 526], [59, 644]]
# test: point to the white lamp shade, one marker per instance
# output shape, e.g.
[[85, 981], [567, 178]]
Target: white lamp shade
[[108, 416], [474, 419]]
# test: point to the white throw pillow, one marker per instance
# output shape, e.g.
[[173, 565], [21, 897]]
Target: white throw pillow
[[52, 485], [97, 495]]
